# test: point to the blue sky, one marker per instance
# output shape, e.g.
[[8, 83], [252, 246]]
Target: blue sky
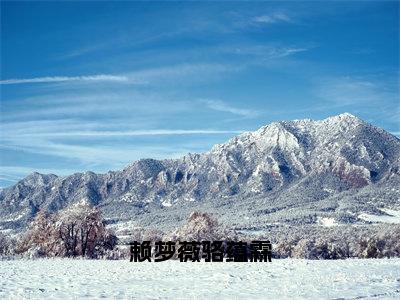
[[97, 85]]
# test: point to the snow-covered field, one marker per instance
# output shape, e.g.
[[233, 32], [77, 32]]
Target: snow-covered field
[[281, 279]]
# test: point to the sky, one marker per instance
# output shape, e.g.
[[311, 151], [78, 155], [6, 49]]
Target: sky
[[98, 85]]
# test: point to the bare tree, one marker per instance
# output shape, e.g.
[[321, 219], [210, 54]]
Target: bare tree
[[81, 229]]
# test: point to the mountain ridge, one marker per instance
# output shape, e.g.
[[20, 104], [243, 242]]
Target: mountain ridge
[[340, 153]]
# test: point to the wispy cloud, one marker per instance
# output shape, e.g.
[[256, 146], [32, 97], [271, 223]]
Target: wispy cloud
[[272, 18], [91, 144], [49, 79], [265, 51], [98, 155], [290, 51], [126, 104], [150, 132], [347, 90], [187, 71], [14, 173], [88, 155], [222, 106], [361, 95]]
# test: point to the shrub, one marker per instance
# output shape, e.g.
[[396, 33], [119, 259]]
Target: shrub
[[5, 244]]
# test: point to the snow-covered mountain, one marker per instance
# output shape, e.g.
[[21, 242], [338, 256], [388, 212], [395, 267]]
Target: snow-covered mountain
[[276, 168]]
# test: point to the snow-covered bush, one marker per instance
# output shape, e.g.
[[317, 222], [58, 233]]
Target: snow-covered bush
[[6, 244], [283, 249], [34, 252], [305, 248], [116, 253], [153, 235], [337, 243], [327, 249]]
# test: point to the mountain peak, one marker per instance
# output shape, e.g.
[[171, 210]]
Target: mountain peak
[[344, 117], [38, 178], [297, 162]]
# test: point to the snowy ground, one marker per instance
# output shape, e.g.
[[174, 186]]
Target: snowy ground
[[281, 279], [392, 216]]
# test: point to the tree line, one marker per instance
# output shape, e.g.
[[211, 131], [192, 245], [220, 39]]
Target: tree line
[[80, 230]]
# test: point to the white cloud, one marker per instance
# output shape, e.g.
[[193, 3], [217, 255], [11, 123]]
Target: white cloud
[[163, 73], [108, 156], [361, 95], [184, 72], [14, 173], [85, 105], [290, 51], [272, 18], [111, 133], [63, 138], [347, 90], [222, 106], [264, 51], [49, 79]]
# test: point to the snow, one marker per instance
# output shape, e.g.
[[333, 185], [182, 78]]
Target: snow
[[128, 197], [166, 203], [392, 216], [327, 222], [330, 191], [124, 226], [6, 231], [392, 212], [15, 218], [281, 279]]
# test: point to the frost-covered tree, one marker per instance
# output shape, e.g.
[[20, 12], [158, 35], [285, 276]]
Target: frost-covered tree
[[40, 236], [392, 242], [82, 230], [199, 227], [76, 230], [283, 250]]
